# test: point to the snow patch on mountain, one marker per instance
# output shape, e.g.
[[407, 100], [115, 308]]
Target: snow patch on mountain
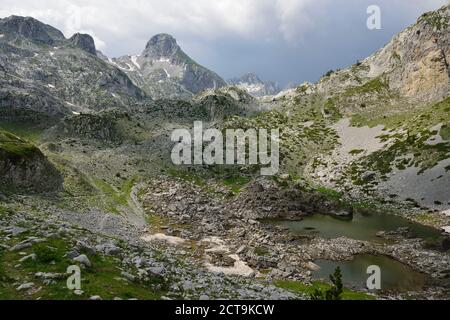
[[255, 86], [135, 62]]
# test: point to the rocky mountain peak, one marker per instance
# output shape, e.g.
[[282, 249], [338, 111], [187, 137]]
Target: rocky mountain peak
[[161, 45], [255, 86], [84, 42], [164, 70], [251, 78], [31, 28]]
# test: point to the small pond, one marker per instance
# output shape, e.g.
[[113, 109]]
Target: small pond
[[395, 276], [360, 226]]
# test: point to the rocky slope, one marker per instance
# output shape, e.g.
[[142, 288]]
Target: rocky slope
[[43, 72], [163, 70], [255, 86]]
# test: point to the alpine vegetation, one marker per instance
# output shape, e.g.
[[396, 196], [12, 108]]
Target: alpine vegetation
[[250, 147]]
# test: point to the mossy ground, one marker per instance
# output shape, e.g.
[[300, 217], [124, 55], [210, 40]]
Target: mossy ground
[[15, 146]]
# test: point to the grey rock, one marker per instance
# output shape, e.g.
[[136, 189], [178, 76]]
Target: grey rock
[[28, 257], [19, 246], [84, 260], [17, 230], [84, 42], [159, 271], [255, 86], [78, 292], [369, 175], [72, 254], [25, 286], [128, 276]]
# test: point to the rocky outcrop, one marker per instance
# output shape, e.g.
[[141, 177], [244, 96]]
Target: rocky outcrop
[[224, 102], [23, 167], [84, 42], [103, 126]]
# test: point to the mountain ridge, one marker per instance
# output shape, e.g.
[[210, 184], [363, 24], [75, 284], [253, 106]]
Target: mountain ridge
[[255, 86]]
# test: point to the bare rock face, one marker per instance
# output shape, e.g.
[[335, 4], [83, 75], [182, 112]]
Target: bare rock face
[[23, 167], [84, 42], [103, 126], [31, 28], [414, 64], [416, 61]]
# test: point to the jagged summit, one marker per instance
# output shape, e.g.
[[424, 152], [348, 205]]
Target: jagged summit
[[31, 28], [251, 78], [161, 45], [164, 70], [84, 42], [255, 86]]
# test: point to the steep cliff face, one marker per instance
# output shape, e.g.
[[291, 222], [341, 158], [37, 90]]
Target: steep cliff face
[[414, 64], [23, 167], [84, 42]]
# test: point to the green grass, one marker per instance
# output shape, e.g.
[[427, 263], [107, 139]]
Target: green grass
[[128, 185], [417, 127], [414, 119], [445, 132], [102, 279], [262, 251], [22, 130], [3, 211], [377, 85], [301, 288], [236, 183], [187, 176], [331, 110], [330, 193], [115, 197], [16, 146]]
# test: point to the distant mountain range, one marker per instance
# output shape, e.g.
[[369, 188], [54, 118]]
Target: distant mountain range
[[255, 86]]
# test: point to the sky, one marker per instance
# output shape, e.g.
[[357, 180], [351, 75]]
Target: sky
[[288, 41]]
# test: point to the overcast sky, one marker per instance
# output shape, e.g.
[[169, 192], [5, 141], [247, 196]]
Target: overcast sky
[[280, 40]]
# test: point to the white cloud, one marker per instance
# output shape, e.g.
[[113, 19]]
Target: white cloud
[[107, 20]]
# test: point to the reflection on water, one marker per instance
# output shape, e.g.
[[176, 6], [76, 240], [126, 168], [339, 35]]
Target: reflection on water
[[395, 276], [359, 227]]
